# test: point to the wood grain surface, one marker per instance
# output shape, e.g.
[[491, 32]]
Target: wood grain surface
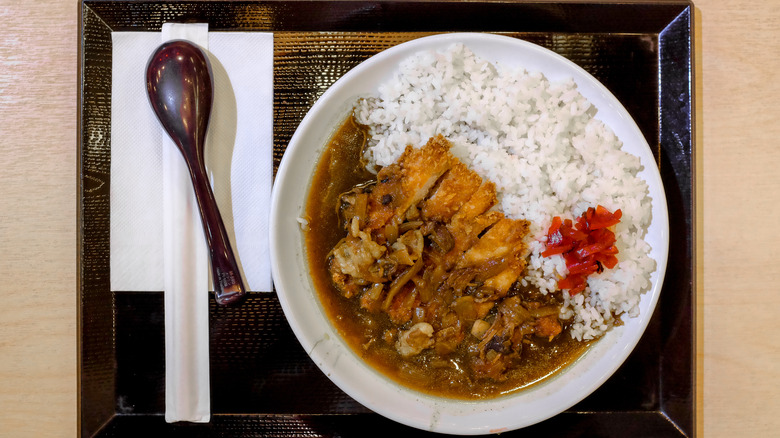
[[738, 131], [38, 83], [738, 201]]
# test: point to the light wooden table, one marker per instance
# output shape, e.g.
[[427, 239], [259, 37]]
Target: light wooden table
[[737, 89]]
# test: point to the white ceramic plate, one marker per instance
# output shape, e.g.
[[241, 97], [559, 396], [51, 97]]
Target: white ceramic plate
[[321, 341]]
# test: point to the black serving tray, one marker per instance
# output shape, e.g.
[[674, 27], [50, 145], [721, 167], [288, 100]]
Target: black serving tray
[[263, 383]]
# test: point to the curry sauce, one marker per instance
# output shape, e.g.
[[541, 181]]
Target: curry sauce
[[462, 369]]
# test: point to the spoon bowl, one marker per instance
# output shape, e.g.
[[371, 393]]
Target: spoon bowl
[[180, 89]]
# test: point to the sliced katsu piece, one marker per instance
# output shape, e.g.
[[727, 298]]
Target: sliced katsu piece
[[473, 217], [482, 200], [503, 239], [407, 182], [495, 260], [451, 193]]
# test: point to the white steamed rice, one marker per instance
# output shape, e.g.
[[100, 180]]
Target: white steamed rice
[[541, 145]]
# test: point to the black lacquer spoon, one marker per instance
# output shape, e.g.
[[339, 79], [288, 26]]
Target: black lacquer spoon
[[179, 85]]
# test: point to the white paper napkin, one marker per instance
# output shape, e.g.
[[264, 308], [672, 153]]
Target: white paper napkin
[[238, 157], [157, 240]]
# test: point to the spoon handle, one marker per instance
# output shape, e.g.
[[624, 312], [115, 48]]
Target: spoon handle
[[228, 287]]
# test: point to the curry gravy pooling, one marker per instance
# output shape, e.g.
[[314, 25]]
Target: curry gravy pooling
[[373, 335]]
